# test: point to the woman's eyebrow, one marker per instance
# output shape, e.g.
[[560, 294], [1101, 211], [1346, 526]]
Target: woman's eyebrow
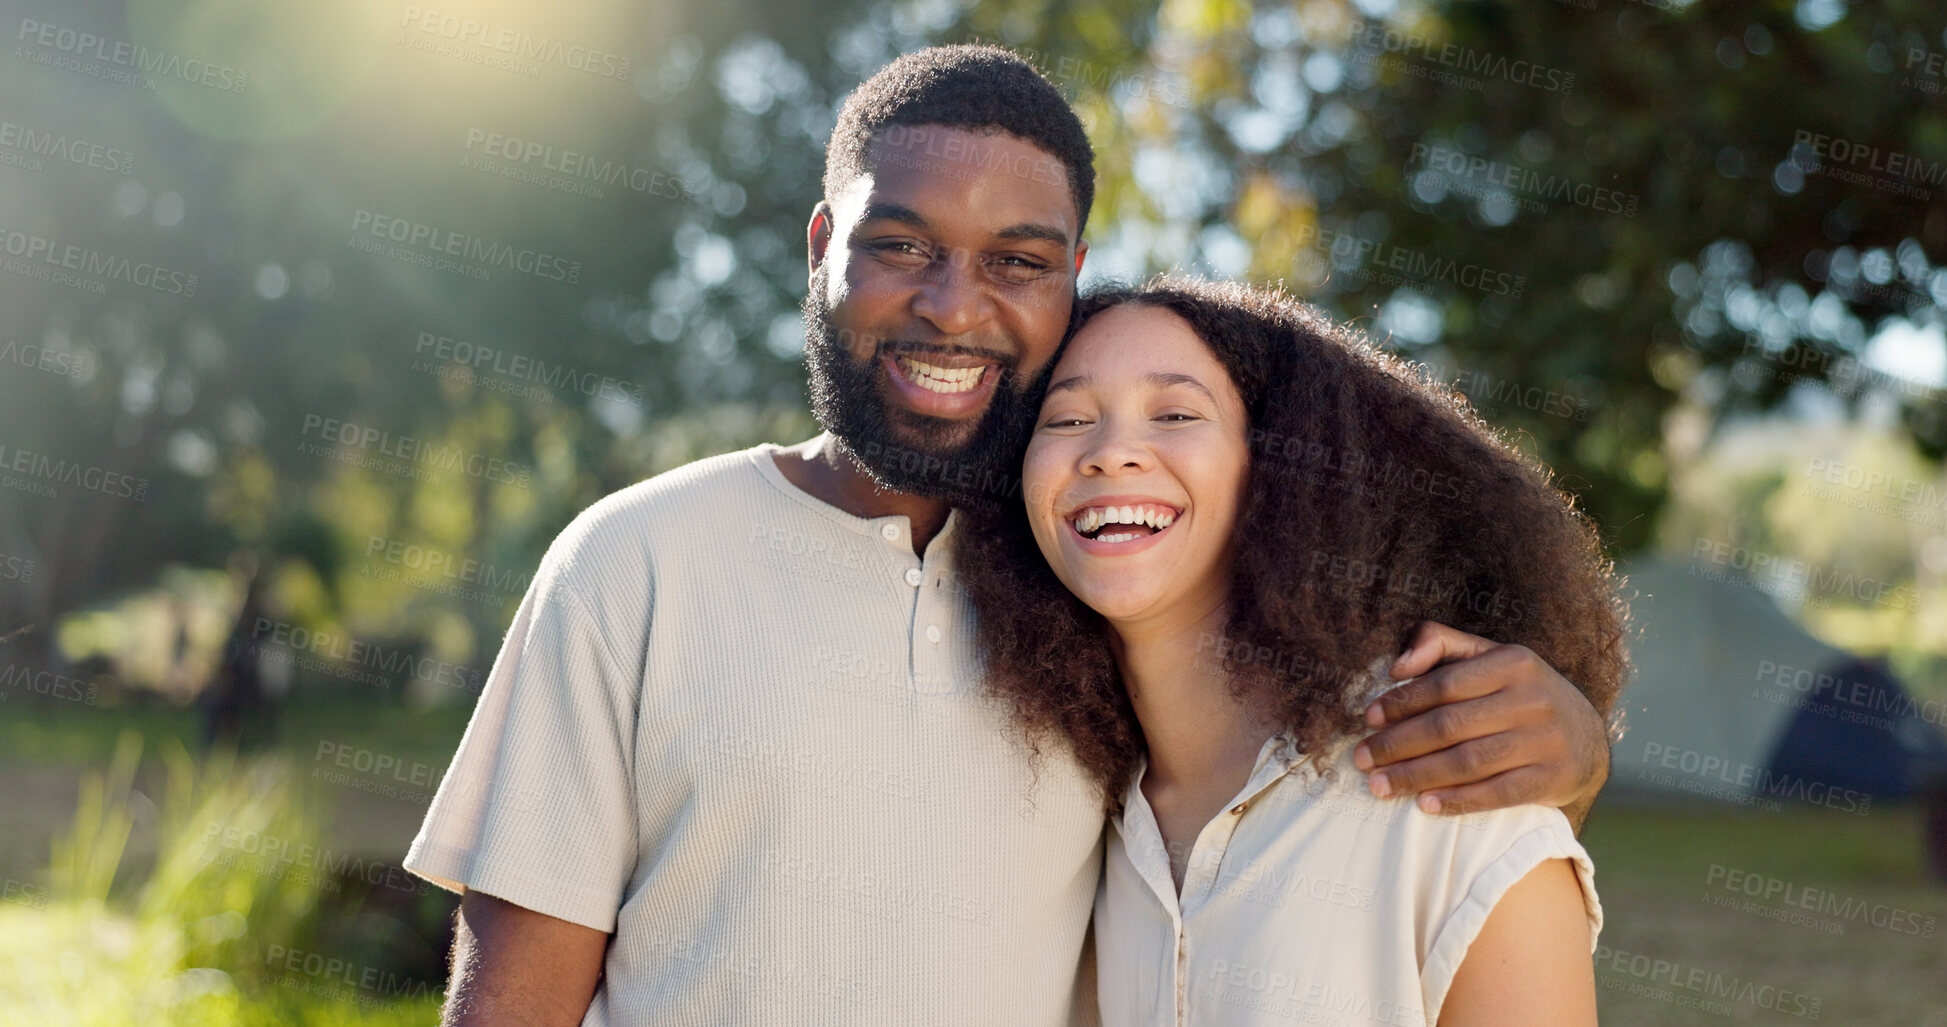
[[1073, 381], [1168, 378], [1161, 379]]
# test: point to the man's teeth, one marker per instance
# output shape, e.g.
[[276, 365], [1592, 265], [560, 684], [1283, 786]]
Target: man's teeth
[[934, 378], [1158, 517]]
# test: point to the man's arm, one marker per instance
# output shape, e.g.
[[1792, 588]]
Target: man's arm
[[513, 966], [1484, 726]]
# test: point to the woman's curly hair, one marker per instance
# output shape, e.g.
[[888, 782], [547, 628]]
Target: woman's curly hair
[[1376, 499]]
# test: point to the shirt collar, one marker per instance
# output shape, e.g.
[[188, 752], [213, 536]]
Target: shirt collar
[[764, 456], [1277, 757]]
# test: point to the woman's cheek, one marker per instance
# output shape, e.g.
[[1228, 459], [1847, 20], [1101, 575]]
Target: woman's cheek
[[1040, 481], [1223, 475], [1039, 492]]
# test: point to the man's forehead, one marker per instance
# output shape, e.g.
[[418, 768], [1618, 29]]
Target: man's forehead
[[970, 148], [972, 178]]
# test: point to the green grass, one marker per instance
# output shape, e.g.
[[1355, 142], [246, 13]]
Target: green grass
[[62, 733], [73, 965], [199, 933], [1658, 870], [133, 922], [72, 735], [45, 747]]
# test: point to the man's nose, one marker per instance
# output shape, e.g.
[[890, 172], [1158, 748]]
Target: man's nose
[[952, 298]]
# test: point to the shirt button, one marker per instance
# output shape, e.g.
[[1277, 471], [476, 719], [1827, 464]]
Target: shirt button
[[933, 633], [1238, 810], [914, 577], [890, 531]]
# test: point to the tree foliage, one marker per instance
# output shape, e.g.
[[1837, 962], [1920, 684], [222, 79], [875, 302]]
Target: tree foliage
[[1584, 214]]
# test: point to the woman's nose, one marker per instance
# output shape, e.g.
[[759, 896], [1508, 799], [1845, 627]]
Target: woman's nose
[[1114, 451]]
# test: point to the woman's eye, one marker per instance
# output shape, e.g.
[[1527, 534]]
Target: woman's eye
[[1179, 417], [1065, 422]]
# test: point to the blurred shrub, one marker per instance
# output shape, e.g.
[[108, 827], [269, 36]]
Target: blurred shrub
[[219, 929]]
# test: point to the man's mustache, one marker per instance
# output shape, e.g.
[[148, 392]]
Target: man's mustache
[[911, 348]]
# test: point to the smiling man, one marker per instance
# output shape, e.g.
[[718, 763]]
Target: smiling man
[[734, 763]]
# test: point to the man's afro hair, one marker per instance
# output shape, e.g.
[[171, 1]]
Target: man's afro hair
[[975, 87]]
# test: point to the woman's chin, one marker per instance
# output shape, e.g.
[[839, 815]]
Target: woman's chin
[[1119, 590], [1117, 601]]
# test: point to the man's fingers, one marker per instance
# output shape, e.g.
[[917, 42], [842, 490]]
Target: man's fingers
[[1464, 764], [1441, 727], [1433, 644], [1517, 787], [1470, 692], [1456, 682]]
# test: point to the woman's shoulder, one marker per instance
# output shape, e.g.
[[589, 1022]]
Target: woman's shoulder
[[1335, 782], [1450, 868]]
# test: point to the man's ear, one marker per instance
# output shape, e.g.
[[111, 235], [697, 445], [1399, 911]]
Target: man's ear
[[1081, 250], [818, 235]]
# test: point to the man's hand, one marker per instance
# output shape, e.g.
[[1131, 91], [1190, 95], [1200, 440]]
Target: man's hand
[[1483, 726], [512, 965]]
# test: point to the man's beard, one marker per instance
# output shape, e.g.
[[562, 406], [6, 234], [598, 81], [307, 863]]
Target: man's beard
[[969, 464]]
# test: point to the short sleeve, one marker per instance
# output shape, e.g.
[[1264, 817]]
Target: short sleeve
[[538, 807], [1493, 851]]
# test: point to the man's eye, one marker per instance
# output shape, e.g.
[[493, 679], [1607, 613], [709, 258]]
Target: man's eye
[[903, 251], [1017, 269], [1179, 417]]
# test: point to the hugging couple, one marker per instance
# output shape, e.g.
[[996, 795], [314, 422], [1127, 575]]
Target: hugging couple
[[1201, 706]]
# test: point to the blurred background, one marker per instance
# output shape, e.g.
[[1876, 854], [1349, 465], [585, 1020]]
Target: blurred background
[[317, 322]]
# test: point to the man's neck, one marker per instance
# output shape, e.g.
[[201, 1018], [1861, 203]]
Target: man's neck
[[824, 468]]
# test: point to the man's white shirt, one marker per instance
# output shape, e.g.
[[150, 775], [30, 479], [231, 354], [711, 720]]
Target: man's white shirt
[[744, 730]]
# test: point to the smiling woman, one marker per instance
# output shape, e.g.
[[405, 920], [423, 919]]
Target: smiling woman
[[1230, 499], [1362, 498], [1136, 465]]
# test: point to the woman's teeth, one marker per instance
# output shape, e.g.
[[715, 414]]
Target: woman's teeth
[[1148, 516], [934, 378]]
